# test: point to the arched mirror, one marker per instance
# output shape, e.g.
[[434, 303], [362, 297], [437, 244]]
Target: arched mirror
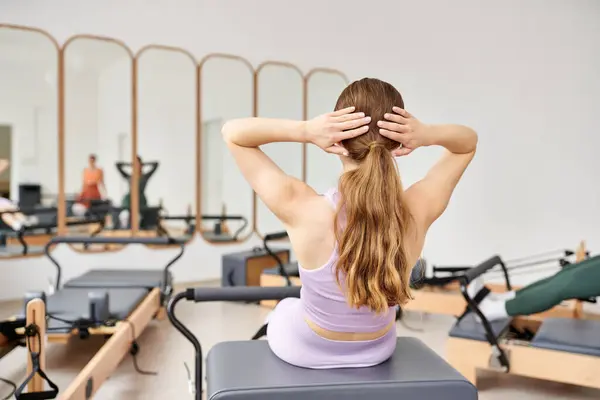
[[28, 141], [280, 90], [323, 88], [167, 142], [97, 144], [226, 198]]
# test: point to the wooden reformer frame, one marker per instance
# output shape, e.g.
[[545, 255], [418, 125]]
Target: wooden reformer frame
[[447, 300], [470, 356]]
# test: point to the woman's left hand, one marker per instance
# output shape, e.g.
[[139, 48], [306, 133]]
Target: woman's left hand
[[328, 130]]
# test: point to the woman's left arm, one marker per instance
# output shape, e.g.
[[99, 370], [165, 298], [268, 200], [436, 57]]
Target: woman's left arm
[[285, 195]]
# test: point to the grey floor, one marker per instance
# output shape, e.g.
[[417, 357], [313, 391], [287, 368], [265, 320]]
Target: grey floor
[[164, 351]]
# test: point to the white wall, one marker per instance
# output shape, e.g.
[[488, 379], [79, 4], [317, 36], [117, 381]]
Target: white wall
[[524, 74]]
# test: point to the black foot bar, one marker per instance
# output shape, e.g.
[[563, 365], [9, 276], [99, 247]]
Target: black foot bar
[[208, 294], [469, 276], [86, 240]]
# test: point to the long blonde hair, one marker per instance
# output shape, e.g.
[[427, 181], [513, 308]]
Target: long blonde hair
[[372, 220]]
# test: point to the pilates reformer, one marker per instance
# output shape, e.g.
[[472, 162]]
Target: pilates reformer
[[440, 293], [249, 370], [31, 238], [564, 350], [284, 274], [106, 302]]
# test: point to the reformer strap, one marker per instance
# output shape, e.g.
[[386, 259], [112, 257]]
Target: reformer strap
[[477, 300], [47, 394], [32, 332]]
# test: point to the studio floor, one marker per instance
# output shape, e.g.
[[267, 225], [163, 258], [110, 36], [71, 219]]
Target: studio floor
[[164, 351]]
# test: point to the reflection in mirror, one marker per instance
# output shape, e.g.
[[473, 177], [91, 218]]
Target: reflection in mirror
[[227, 92], [279, 95], [323, 88], [28, 141], [97, 135], [167, 142]]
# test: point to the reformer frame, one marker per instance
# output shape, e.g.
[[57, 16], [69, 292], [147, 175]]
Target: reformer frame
[[447, 300], [122, 334], [514, 356]]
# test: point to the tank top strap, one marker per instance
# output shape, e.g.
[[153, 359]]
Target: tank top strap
[[332, 196]]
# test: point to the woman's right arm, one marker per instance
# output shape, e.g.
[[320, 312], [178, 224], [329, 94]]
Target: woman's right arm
[[430, 196], [121, 168]]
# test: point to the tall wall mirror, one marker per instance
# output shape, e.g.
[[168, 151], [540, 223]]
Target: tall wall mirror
[[280, 90], [28, 141], [97, 142], [167, 142], [323, 88], [226, 198]]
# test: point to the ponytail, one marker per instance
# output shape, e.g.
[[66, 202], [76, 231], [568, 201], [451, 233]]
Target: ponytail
[[370, 225]]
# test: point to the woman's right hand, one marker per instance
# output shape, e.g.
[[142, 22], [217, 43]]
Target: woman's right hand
[[328, 130], [405, 129]]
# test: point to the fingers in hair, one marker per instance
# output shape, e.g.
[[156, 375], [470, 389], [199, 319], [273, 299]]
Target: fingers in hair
[[343, 111]]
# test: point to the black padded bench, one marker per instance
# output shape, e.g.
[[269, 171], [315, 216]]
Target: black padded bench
[[72, 306], [120, 278], [249, 370], [470, 328], [571, 335]]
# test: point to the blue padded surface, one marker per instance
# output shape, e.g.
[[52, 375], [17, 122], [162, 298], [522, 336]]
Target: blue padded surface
[[470, 328], [571, 335], [119, 278], [72, 304], [249, 370]]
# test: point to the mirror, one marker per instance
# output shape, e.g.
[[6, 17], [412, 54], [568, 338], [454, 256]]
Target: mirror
[[167, 142], [323, 88], [227, 199], [98, 123], [279, 95], [28, 141]]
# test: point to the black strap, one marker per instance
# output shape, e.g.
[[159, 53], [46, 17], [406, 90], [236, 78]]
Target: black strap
[[32, 331], [477, 299], [437, 281], [48, 394]]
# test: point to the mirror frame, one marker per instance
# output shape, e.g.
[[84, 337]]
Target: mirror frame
[[61, 118], [257, 72], [252, 218], [62, 213], [60, 209], [135, 201]]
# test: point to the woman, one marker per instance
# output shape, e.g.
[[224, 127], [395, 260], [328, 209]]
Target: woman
[[355, 245], [576, 281], [93, 188], [144, 177]]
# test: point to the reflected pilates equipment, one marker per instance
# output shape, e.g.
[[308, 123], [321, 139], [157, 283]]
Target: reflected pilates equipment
[[220, 233], [107, 302], [30, 239], [249, 370], [564, 350]]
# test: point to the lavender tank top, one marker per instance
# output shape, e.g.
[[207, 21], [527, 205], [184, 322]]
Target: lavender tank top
[[325, 303]]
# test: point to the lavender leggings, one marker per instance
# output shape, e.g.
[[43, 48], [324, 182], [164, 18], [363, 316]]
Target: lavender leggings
[[292, 340]]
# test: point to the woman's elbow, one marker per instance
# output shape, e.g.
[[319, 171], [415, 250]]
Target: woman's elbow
[[227, 130]]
